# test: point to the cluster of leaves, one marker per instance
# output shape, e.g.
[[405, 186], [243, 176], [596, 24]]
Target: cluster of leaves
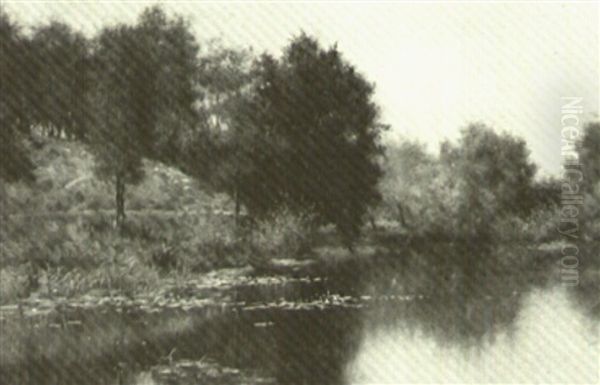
[[45, 85], [59, 61], [494, 177], [483, 177], [14, 117], [283, 235], [305, 136], [483, 187], [589, 158]]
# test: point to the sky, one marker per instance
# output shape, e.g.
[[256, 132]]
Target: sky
[[436, 66]]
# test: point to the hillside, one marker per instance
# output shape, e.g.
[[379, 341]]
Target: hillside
[[65, 184], [57, 235]]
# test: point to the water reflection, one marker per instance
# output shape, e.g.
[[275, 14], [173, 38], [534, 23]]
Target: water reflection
[[443, 316], [548, 342], [487, 316]]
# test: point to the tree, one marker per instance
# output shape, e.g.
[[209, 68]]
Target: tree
[[546, 193], [61, 62], [311, 133], [589, 156], [145, 95], [14, 118], [224, 77], [405, 166], [494, 177], [589, 159], [418, 190]]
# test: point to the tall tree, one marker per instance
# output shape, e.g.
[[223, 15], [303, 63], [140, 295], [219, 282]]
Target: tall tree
[[315, 137], [15, 81], [145, 97], [61, 61]]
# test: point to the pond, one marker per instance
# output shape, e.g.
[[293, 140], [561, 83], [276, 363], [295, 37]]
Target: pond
[[384, 325]]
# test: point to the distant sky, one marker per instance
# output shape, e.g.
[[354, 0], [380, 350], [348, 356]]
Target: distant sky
[[436, 65]]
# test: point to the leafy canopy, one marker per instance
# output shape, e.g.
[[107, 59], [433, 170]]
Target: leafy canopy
[[15, 81], [145, 93], [310, 134], [61, 68]]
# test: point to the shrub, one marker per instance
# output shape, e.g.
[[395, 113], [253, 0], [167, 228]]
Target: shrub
[[195, 243], [284, 234], [539, 227], [16, 282]]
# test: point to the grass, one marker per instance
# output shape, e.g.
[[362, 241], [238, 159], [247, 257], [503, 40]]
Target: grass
[[57, 236], [71, 256]]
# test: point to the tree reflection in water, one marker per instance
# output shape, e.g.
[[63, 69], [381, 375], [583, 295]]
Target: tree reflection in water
[[432, 314]]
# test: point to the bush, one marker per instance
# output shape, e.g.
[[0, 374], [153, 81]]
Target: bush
[[16, 282], [284, 235], [193, 243], [539, 227]]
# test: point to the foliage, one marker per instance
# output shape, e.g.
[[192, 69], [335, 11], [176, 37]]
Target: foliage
[[590, 215], [69, 256], [283, 235], [416, 189], [15, 282], [223, 73], [494, 177], [213, 156], [537, 228], [295, 140], [145, 94], [589, 156], [545, 193], [61, 67], [461, 194], [310, 135], [14, 114]]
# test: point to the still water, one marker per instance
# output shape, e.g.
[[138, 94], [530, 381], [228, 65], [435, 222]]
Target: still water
[[539, 336], [382, 328], [549, 342]]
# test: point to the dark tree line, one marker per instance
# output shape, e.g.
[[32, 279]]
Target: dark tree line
[[299, 132]]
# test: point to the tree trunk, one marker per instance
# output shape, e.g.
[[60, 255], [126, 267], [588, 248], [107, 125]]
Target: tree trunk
[[372, 221], [236, 197], [120, 202], [402, 216], [237, 207]]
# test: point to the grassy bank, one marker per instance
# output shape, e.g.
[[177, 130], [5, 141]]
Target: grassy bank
[[57, 236]]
